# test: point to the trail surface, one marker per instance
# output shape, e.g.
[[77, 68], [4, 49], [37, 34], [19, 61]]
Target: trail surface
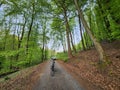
[[62, 80]]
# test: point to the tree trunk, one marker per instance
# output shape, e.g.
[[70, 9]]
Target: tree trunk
[[64, 44], [15, 29], [64, 50], [85, 40], [43, 48], [42, 53], [22, 35], [62, 4], [43, 39], [72, 42], [21, 38], [63, 47], [98, 47], [67, 33], [83, 45], [13, 44], [46, 49], [30, 29]]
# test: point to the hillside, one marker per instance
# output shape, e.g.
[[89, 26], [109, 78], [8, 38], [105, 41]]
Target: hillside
[[84, 67]]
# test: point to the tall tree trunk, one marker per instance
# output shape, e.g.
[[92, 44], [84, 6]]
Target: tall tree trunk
[[43, 53], [85, 40], [67, 33], [21, 38], [74, 49], [73, 35], [64, 50], [99, 48], [43, 37], [83, 45], [30, 28], [63, 47], [43, 47], [65, 43], [62, 4], [22, 35], [13, 44], [46, 52]]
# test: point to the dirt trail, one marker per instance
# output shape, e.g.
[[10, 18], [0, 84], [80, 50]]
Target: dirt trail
[[60, 81]]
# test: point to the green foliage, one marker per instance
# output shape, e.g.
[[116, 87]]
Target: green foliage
[[17, 51], [9, 53], [103, 20], [62, 56], [7, 78], [115, 29]]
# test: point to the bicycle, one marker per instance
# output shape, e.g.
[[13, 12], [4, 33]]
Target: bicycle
[[52, 72]]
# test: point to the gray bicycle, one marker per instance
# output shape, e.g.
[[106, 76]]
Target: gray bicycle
[[52, 72]]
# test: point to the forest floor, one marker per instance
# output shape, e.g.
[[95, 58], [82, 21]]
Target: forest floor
[[85, 68]]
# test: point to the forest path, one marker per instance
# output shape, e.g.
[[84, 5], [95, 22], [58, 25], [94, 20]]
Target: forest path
[[62, 80]]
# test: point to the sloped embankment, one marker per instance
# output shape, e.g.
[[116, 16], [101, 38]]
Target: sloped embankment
[[85, 68]]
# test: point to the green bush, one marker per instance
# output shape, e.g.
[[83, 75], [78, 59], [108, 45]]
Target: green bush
[[6, 78], [62, 56]]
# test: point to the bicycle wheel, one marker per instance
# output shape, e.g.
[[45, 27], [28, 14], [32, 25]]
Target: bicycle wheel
[[52, 73]]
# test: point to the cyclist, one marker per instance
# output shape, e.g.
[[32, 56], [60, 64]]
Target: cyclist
[[53, 66]]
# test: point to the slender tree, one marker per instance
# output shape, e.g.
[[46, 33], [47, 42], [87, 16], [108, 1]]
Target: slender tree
[[99, 48], [81, 33], [30, 27]]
